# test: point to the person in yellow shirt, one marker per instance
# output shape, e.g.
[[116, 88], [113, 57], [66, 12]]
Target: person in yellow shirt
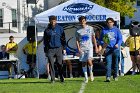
[[134, 50], [30, 50], [12, 48]]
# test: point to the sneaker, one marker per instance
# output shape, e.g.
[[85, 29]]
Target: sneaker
[[86, 80], [91, 77], [71, 76], [116, 79], [52, 81], [10, 77], [62, 79], [107, 79], [122, 74], [49, 77], [133, 73], [117, 75]]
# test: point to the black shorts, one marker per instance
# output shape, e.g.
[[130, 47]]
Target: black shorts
[[31, 59], [134, 53]]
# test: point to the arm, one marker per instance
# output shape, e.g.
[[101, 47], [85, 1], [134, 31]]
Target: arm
[[38, 42], [78, 45], [63, 40], [127, 41], [7, 49], [119, 39], [77, 42], [101, 38], [15, 48], [24, 49], [45, 41], [95, 43]]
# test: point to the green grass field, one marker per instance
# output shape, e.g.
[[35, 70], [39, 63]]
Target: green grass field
[[126, 84]]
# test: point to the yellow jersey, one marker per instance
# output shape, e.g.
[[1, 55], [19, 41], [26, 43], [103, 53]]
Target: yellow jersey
[[30, 48], [131, 43], [11, 47]]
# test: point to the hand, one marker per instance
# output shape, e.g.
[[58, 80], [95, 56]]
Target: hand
[[101, 52], [64, 52], [116, 46]]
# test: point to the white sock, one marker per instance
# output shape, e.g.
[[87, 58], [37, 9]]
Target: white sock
[[90, 69], [85, 72]]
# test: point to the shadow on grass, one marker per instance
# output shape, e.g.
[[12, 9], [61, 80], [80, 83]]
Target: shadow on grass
[[24, 82], [38, 82]]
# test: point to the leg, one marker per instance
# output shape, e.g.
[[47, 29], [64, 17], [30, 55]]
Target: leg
[[84, 67], [68, 62], [59, 58], [122, 66], [51, 53], [9, 66], [138, 62], [84, 58], [133, 64], [116, 56], [108, 63], [48, 71], [90, 64], [32, 65]]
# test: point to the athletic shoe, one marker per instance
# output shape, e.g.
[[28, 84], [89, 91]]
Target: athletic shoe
[[133, 72], [71, 76], [116, 79], [91, 77], [86, 80], [122, 74], [107, 79], [49, 77]]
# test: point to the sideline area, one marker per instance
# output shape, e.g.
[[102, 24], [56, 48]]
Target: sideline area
[[126, 84]]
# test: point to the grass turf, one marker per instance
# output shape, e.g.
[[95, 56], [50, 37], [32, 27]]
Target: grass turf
[[126, 84]]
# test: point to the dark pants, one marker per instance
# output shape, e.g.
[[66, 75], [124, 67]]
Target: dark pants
[[31, 61], [57, 52]]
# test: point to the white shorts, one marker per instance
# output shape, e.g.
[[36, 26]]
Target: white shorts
[[87, 54]]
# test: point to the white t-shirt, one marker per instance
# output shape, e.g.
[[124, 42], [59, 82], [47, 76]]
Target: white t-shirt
[[85, 37]]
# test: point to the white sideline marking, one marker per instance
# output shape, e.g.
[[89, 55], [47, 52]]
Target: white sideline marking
[[82, 88]]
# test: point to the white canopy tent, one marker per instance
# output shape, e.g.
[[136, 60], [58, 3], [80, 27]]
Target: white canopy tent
[[70, 11]]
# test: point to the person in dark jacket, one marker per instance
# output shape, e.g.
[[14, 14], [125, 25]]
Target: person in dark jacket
[[3, 53], [54, 43], [5, 56]]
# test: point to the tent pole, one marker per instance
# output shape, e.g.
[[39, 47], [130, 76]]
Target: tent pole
[[37, 70]]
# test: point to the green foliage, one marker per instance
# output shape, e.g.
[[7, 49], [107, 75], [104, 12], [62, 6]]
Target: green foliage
[[106, 39], [125, 7]]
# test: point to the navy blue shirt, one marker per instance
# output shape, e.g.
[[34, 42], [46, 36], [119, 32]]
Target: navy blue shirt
[[54, 37]]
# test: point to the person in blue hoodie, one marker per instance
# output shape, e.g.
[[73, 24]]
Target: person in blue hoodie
[[112, 48]]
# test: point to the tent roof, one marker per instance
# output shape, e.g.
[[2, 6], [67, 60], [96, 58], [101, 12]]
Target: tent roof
[[70, 11]]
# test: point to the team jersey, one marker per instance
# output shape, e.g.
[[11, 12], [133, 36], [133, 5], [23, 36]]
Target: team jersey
[[84, 36], [30, 48], [11, 45], [131, 43]]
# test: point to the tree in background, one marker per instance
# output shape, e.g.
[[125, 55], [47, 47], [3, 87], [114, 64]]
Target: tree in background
[[125, 7]]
